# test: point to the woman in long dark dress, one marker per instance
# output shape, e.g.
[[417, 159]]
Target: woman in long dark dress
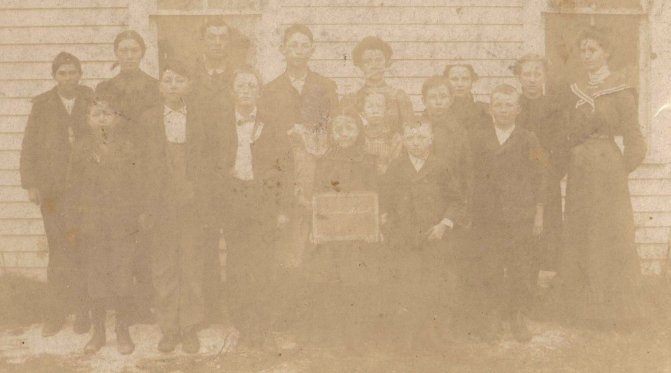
[[132, 92], [102, 176], [599, 269]]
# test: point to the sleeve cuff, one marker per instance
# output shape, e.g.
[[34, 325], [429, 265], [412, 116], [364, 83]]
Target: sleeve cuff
[[447, 222]]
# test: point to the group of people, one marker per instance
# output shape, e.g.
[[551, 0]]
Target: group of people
[[141, 182]]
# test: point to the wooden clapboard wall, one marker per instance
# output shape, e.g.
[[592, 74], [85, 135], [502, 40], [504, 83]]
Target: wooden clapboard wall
[[32, 32], [426, 35]]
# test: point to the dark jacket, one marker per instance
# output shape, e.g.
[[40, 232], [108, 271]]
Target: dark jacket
[[131, 93], [452, 145], [544, 117], [210, 91], [470, 113], [416, 201], [104, 186], [345, 170], [155, 162], [272, 163], [46, 148], [510, 179], [314, 104]]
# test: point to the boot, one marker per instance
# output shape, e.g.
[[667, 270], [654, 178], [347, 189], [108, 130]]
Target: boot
[[190, 341], [168, 342], [124, 343], [98, 339], [52, 327]]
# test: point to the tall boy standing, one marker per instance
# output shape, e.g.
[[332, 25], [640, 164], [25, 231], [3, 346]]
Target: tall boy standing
[[509, 195], [175, 171]]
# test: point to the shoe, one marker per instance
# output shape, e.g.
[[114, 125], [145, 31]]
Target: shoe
[[51, 327], [125, 344], [168, 342], [82, 323], [190, 342], [518, 327], [97, 341]]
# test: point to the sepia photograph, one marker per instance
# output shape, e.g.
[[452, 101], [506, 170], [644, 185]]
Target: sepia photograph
[[335, 186]]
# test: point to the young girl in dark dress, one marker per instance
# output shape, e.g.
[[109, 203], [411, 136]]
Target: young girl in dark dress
[[469, 113], [343, 272], [103, 177]]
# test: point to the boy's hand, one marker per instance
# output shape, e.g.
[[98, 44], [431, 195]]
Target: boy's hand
[[437, 232], [384, 218], [282, 221]]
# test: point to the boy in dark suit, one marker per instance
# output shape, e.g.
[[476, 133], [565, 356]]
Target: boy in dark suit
[[253, 165], [175, 172], [301, 101], [57, 119], [423, 206], [509, 195]]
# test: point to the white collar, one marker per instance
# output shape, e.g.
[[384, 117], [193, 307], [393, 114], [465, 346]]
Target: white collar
[[68, 100], [417, 162], [298, 78], [167, 110], [504, 135], [212, 70], [239, 117], [599, 76]]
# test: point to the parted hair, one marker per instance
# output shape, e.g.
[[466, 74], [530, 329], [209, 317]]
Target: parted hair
[[469, 67], [505, 89], [370, 43], [436, 81], [130, 35], [598, 35], [531, 57], [297, 29]]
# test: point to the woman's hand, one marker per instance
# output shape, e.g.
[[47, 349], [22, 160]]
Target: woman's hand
[[34, 196], [437, 232]]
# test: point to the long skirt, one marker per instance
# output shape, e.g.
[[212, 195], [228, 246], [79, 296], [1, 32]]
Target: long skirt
[[599, 270]]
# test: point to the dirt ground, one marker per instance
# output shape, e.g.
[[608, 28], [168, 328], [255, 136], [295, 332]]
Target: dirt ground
[[554, 348]]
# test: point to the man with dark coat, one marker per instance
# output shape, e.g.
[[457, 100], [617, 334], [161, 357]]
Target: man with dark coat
[[211, 73], [253, 164], [301, 101], [57, 118]]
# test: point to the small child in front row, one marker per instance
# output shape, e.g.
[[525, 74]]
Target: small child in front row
[[380, 139], [508, 197], [103, 176], [342, 272], [424, 210]]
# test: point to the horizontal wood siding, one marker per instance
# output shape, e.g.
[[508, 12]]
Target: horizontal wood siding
[[488, 34], [32, 32]]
